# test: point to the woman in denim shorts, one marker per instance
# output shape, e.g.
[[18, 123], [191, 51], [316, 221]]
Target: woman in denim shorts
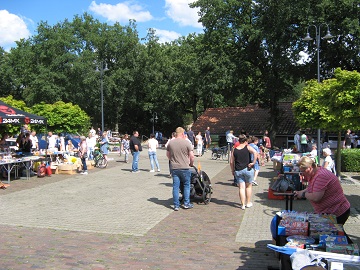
[[242, 168]]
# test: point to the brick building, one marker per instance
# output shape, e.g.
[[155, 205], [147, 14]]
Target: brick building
[[252, 119]]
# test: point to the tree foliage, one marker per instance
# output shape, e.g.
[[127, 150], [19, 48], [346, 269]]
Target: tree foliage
[[63, 117], [333, 105], [249, 53]]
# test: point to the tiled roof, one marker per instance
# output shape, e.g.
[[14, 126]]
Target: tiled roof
[[252, 119]]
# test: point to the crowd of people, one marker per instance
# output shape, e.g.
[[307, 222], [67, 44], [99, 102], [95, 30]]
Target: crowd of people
[[245, 160]]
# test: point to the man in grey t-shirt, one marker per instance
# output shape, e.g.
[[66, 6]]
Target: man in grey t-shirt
[[179, 152]]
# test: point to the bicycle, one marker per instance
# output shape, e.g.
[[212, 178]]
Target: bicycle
[[99, 160], [221, 152]]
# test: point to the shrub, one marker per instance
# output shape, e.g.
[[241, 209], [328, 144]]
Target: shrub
[[350, 160]]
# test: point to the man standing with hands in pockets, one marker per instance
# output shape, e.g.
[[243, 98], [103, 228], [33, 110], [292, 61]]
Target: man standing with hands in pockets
[[179, 152]]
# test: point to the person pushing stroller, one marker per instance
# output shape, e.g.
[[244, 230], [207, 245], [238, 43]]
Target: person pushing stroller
[[181, 156]]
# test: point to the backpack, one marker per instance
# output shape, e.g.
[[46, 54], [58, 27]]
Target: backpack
[[41, 172]]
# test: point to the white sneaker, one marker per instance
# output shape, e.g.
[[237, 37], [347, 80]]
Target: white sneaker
[[243, 207], [84, 173], [152, 170], [158, 170], [249, 205]]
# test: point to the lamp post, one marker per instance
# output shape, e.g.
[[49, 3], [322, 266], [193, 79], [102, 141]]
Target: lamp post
[[155, 117], [102, 69], [317, 39]]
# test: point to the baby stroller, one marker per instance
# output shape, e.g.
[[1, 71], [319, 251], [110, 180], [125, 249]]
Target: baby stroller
[[200, 187]]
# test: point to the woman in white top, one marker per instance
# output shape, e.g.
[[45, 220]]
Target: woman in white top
[[200, 143], [152, 145], [328, 162], [91, 143]]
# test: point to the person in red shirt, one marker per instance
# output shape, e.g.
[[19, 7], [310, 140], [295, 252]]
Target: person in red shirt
[[324, 191]]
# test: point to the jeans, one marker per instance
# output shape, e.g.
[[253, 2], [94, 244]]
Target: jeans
[[126, 152], [181, 176], [245, 175], [152, 157], [83, 160], [135, 162], [91, 153]]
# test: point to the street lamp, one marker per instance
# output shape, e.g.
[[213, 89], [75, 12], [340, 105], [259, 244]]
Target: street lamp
[[317, 39], [155, 118], [103, 68]]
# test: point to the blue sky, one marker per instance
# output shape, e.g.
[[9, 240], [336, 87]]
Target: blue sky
[[170, 18]]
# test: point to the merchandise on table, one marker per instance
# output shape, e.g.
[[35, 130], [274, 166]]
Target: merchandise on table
[[335, 239], [288, 228], [349, 249], [317, 229]]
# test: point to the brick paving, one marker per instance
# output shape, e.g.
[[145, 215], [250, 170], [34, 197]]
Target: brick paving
[[113, 219]]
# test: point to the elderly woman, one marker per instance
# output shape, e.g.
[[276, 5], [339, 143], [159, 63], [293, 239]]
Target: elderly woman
[[328, 161], [324, 191]]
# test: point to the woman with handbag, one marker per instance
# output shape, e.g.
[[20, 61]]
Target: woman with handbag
[[83, 149]]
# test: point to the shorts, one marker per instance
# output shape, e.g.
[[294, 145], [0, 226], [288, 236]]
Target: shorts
[[244, 175]]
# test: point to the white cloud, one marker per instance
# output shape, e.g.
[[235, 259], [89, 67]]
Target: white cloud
[[166, 36], [121, 12], [12, 28], [304, 58], [180, 12]]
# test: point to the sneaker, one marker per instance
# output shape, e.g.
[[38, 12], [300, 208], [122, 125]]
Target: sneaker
[[254, 183], [158, 170], [176, 208], [152, 170], [188, 206], [242, 207], [135, 171], [249, 205], [84, 173]]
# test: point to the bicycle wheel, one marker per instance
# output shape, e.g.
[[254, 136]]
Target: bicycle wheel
[[102, 163], [214, 155]]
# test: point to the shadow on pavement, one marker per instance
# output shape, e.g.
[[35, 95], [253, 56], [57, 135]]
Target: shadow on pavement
[[166, 203], [258, 257]]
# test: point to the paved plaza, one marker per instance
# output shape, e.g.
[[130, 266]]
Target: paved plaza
[[115, 219]]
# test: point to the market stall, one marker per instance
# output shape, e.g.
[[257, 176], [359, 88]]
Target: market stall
[[285, 165], [14, 162], [299, 237]]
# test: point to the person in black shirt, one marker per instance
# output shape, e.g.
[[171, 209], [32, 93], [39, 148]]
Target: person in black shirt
[[242, 169], [135, 148], [26, 144]]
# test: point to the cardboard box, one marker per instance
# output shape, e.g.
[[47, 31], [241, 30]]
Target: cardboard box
[[289, 228], [350, 249], [67, 168], [335, 239], [54, 169], [89, 164]]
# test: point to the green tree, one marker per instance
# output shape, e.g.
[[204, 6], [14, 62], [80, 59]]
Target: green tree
[[63, 117], [264, 39], [333, 105]]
